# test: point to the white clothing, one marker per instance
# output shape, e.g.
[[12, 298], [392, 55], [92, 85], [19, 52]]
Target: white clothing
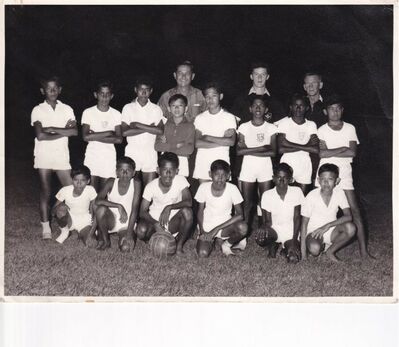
[[125, 200], [141, 147], [183, 166], [153, 193], [79, 206], [319, 214], [256, 168], [282, 211], [100, 157], [52, 154], [213, 125], [217, 209]]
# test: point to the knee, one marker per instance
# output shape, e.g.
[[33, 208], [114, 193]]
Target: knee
[[350, 229], [187, 214], [314, 247], [61, 211], [100, 212], [242, 228], [141, 231]]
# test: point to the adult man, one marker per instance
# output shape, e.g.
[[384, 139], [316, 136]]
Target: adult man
[[312, 83]]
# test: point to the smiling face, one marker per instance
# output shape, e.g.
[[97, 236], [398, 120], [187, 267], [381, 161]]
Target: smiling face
[[312, 85], [51, 91], [258, 109], [79, 182], [177, 108], [184, 76], [103, 96]]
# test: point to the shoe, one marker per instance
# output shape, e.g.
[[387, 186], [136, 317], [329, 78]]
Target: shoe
[[241, 245], [273, 247], [63, 236], [46, 235], [226, 248]]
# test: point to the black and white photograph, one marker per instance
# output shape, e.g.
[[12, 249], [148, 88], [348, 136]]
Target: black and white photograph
[[195, 152]]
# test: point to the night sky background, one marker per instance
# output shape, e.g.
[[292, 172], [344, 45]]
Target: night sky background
[[350, 45]]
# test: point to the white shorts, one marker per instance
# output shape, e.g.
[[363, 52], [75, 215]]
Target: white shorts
[[101, 164], [327, 237], [256, 169], [80, 221], [146, 161], [52, 161], [118, 225], [302, 167], [345, 175], [203, 162], [283, 233], [183, 166]]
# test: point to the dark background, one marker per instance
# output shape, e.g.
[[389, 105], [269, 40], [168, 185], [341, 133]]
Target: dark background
[[350, 45]]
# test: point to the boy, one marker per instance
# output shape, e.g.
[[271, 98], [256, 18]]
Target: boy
[[74, 208], [118, 205], [54, 122], [338, 145], [141, 122], [166, 203], [321, 229], [257, 144], [215, 220], [179, 134], [215, 132], [281, 211], [101, 128], [297, 138]]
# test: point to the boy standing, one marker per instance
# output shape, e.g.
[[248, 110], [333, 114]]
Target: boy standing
[[101, 128], [54, 122], [215, 132], [141, 122], [166, 203], [321, 229]]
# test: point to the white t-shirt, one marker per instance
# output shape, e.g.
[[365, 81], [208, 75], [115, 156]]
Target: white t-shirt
[[282, 210], [256, 136], [215, 125], [49, 117], [337, 138], [78, 205], [217, 209], [297, 133], [316, 210], [154, 194], [101, 121], [148, 114]]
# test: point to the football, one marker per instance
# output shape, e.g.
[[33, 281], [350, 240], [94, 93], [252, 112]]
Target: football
[[162, 244]]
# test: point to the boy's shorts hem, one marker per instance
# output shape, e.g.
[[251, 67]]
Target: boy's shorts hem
[[144, 163], [103, 169], [254, 169], [50, 165], [79, 222], [203, 165]]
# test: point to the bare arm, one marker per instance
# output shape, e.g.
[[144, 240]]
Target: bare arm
[[228, 138], [200, 217], [286, 146], [49, 133], [185, 202], [238, 216], [297, 222], [304, 229], [136, 128], [339, 152], [145, 212], [135, 207], [161, 144], [102, 136], [261, 151], [201, 143]]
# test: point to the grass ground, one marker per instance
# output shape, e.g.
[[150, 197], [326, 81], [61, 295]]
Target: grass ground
[[34, 267]]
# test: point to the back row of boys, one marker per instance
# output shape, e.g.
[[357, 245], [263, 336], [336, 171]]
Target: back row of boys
[[167, 201]]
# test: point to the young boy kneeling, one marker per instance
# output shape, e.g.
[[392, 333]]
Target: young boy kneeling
[[166, 204], [321, 229], [216, 200], [281, 212]]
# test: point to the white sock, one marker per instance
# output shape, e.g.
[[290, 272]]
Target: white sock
[[46, 226], [64, 235]]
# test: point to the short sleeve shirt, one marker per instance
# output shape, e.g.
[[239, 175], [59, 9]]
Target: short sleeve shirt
[[154, 194], [337, 138], [316, 210], [217, 209], [256, 136], [78, 205], [101, 121], [282, 211], [148, 114], [50, 117]]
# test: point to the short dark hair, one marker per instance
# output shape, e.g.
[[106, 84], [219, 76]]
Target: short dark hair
[[53, 78], [260, 64], [175, 97], [213, 85], [144, 80], [252, 97], [285, 168], [220, 165], [328, 168], [313, 73], [186, 63], [332, 100], [81, 170], [126, 160], [299, 96], [168, 157], [104, 84]]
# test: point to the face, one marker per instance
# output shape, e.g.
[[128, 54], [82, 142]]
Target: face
[[212, 98], [183, 76], [178, 108], [104, 96], [258, 108], [259, 76], [298, 108], [312, 85], [219, 178], [125, 171], [143, 92], [328, 180], [281, 179], [334, 112], [167, 173], [52, 91], [80, 182]]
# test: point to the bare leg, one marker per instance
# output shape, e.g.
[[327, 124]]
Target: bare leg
[[248, 190], [314, 246], [95, 182], [148, 177], [144, 230], [105, 222], [45, 193], [340, 236], [182, 223], [204, 248], [64, 176]]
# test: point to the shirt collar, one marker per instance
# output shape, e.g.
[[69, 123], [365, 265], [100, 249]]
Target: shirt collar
[[252, 91]]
